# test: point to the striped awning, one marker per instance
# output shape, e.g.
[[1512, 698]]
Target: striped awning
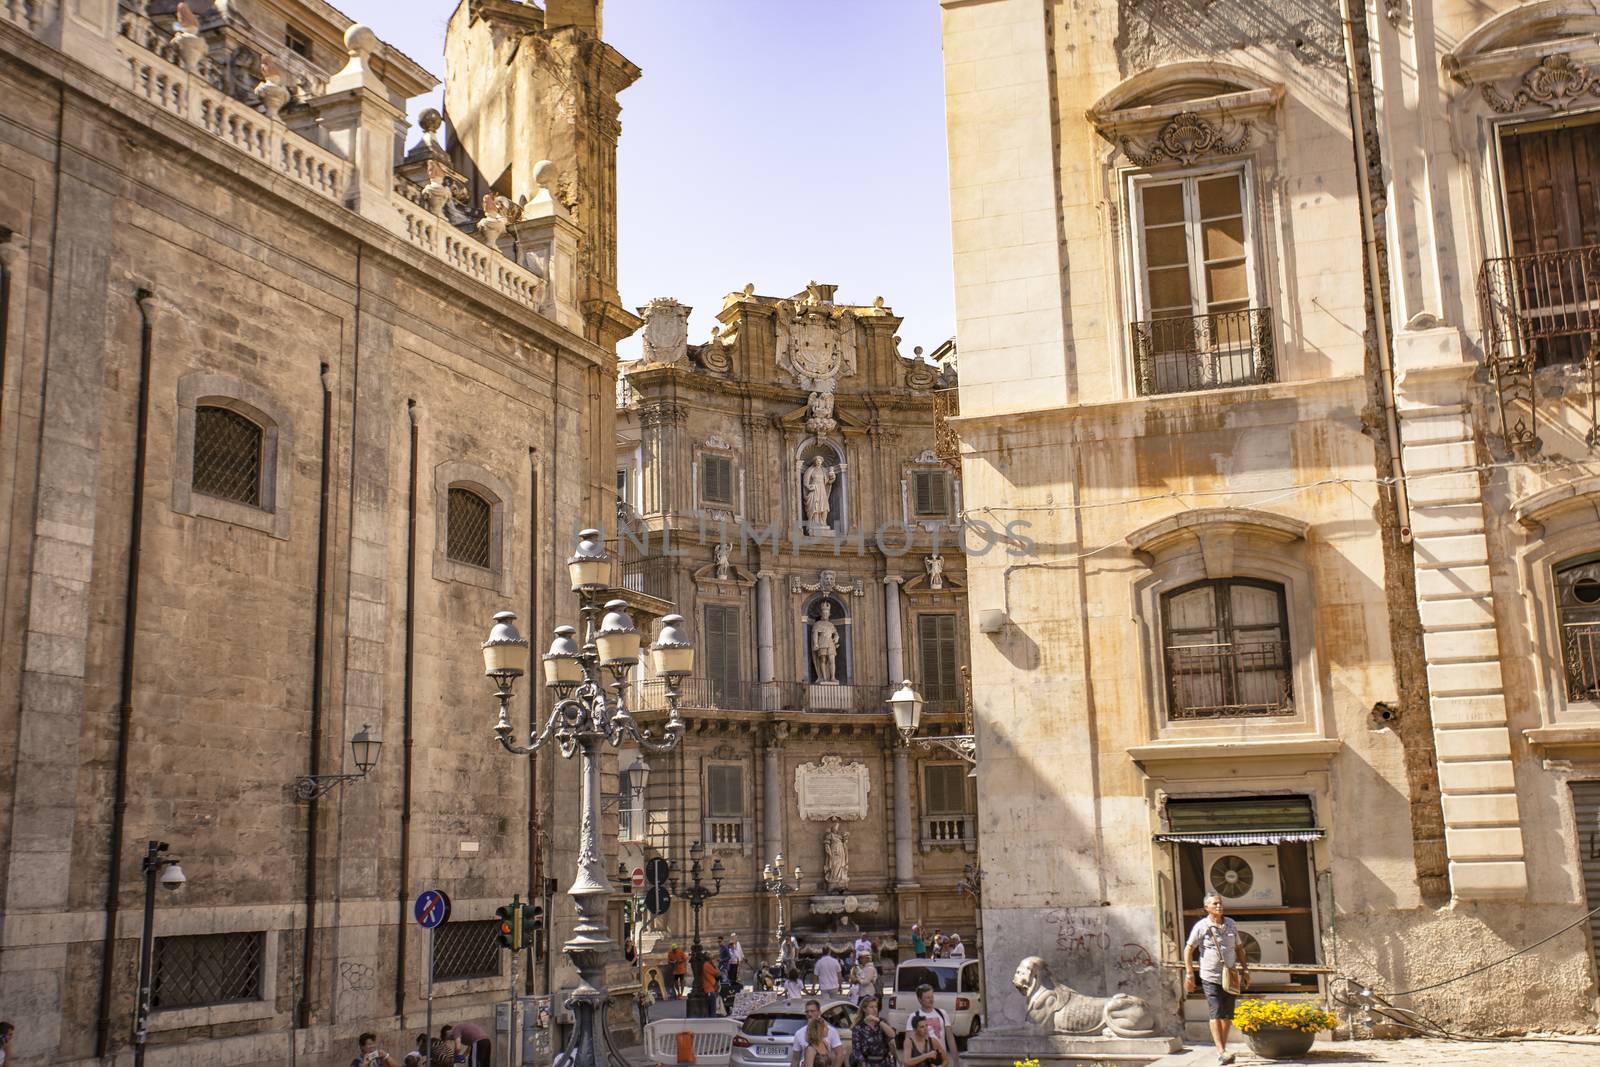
[[1246, 837]]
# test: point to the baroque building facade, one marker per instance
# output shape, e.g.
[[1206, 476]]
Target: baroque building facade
[[1278, 327], [780, 484], [281, 410]]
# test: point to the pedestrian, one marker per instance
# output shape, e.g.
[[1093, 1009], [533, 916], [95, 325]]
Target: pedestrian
[[863, 944], [472, 1041], [829, 972], [830, 1039], [678, 966], [709, 980], [957, 950], [871, 1039], [370, 1055], [418, 1056], [791, 984], [7, 1031], [938, 945], [629, 951], [1217, 938], [939, 1027], [919, 944], [735, 958], [788, 953], [864, 975], [442, 1051], [921, 1046]]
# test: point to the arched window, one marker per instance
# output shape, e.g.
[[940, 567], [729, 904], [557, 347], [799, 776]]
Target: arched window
[[228, 450], [1578, 604], [1225, 645], [469, 528]]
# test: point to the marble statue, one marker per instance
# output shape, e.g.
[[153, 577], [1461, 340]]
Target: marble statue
[[1059, 1009], [825, 644], [817, 481], [722, 553], [836, 856], [819, 413], [935, 567]]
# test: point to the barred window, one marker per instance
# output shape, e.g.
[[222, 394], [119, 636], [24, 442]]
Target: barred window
[[1578, 586], [930, 494], [468, 528], [199, 970], [227, 455], [466, 950], [1227, 650], [716, 479]]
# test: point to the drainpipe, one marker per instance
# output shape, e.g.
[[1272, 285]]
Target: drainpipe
[[402, 927], [130, 623], [534, 889], [1369, 243]]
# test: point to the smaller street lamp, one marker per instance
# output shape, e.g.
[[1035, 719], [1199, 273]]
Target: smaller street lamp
[[159, 868], [906, 703], [697, 893], [773, 882], [364, 750]]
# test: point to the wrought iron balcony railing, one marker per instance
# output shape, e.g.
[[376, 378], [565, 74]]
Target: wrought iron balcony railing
[[1539, 310], [1196, 352], [732, 695], [1217, 681], [1581, 651]]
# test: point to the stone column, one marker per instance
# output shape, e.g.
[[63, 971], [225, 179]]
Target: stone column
[[905, 874], [772, 802], [764, 664], [891, 617]]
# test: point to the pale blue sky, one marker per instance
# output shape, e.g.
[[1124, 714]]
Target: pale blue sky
[[767, 142]]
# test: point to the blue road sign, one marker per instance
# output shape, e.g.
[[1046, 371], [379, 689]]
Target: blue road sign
[[432, 908]]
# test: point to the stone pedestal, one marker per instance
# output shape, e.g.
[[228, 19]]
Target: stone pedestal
[[1001, 1048]]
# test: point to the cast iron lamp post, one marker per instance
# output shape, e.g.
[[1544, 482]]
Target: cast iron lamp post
[[583, 719], [364, 750], [162, 868], [697, 893], [772, 881]]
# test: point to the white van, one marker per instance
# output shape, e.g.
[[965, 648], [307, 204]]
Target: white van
[[957, 991]]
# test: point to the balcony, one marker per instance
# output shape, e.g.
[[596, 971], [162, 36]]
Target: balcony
[[1581, 651], [715, 695], [1220, 681], [1198, 352], [950, 830], [1539, 310]]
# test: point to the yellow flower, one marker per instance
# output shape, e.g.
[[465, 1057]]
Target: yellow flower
[[1252, 1015]]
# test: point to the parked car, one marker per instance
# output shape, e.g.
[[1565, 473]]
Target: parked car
[[957, 991], [766, 1037]]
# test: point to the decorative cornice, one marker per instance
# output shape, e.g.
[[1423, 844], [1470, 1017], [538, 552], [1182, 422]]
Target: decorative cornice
[[1186, 138], [1556, 82]]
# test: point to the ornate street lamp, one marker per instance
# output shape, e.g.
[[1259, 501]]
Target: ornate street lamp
[[585, 717], [906, 703], [772, 881], [364, 750], [697, 893]]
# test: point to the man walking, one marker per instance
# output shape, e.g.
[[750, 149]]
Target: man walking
[[678, 966], [1217, 939], [829, 972]]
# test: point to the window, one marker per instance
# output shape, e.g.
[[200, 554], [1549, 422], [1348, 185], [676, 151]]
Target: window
[[725, 790], [930, 494], [944, 788], [1226, 650], [722, 655], [468, 528], [297, 41], [1578, 602], [622, 485], [227, 455], [200, 970], [630, 813], [1197, 324], [464, 950], [940, 660], [716, 480]]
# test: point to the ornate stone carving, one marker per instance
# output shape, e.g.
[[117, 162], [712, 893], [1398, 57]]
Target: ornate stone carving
[[921, 374], [827, 582], [666, 330], [816, 341], [934, 565], [1186, 138], [1556, 82], [825, 643], [819, 413], [832, 789], [719, 443], [722, 553], [1057, 1008], [714, 355], [835, 857], [816, 485], [660, 413]]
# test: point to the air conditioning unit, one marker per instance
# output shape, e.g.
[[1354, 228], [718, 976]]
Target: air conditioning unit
[[1246, 877], [1265, 941]]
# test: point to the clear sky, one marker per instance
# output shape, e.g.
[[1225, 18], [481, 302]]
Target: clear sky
[[767, 142]]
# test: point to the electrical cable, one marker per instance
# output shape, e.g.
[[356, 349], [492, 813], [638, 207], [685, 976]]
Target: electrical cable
[[1479, 970]]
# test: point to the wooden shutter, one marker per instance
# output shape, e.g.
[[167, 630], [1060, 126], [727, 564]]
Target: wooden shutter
[[722, 653], [930, 493], [944, 788], [936, 647], [1552, 198], [716, 479], [725, 791]]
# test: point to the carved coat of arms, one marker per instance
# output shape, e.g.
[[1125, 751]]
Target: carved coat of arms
[[666, 330]]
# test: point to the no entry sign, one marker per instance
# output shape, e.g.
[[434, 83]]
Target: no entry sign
[[638, 878], [432, 908]]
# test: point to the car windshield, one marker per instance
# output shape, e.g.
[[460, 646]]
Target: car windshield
[[942, 979], [759, 1025]]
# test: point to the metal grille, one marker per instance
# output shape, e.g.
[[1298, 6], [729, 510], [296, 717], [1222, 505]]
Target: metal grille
[[196, 970], [1578, 589], [1189, 353], [466, 950], [947, 442], [227, 456], [467, 532], [1538, 310], [1225, 652]]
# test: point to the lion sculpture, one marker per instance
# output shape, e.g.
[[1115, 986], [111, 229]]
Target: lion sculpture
[[1059, 1009]]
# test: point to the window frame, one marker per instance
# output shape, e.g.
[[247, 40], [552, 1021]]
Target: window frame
[[945, 478], [968, 798], [716, 765], [701, 496], [1139, 180], [186, 922], [738, 676], [457, 474], [466, 489], [1225, 629], [260, 448], [499, 953], [272, 515], [1557, 570], [936, 689]]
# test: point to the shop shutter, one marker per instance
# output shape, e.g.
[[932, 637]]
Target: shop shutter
[[1240, 814], [1586, 809]]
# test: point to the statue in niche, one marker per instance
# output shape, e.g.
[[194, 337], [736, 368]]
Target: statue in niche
[[836, 856], [722, 553], [825, 644], [935, 567], [817, 482]]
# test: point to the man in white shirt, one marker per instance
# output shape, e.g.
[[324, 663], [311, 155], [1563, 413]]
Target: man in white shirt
[[863, 946], [829, 973], [938, 1024], [958, 951], [1217, 939], [797, 1052]]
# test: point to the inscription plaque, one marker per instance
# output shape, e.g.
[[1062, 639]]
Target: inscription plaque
[[832, 789]]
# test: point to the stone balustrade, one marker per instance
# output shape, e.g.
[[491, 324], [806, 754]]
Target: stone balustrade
[[28, 15]]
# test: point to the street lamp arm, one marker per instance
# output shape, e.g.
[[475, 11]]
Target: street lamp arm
[[312, 786]]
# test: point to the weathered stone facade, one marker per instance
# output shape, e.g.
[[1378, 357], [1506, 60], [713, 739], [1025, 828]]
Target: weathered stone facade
[[718, 445], [176, 651], [1292, 572]]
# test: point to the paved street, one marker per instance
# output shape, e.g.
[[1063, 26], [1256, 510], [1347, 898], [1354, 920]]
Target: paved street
[[1531, 1052]]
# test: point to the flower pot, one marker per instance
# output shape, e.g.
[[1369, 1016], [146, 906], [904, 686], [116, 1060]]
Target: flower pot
[[1280, 1042]]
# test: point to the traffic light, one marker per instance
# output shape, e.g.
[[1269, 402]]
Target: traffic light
[[532, 923], [508, 926]]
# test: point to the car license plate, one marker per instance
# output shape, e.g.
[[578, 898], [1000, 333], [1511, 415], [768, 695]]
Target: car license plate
[[770, 1050]]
